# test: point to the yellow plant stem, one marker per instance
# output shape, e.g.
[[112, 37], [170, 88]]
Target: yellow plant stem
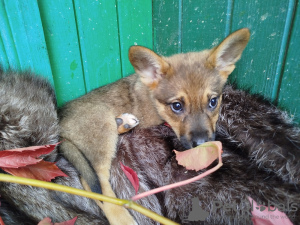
[[75, 191]]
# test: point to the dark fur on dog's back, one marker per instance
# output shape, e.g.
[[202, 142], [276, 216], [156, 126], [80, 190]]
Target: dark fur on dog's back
[[247, 171]]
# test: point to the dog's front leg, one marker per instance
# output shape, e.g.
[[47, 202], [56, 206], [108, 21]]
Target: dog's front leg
[[105, 143], [116, 215], [95, 139]]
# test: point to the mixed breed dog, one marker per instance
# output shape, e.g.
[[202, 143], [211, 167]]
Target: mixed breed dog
[[261, 146]]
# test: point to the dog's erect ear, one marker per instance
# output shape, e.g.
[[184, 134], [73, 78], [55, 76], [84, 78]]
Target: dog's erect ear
[[225, 55], [150, 66]]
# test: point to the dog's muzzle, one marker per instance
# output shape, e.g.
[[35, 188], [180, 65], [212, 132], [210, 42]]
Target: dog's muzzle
[[196, 140]]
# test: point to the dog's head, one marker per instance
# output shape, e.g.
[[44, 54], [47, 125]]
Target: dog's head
[[187, 88]]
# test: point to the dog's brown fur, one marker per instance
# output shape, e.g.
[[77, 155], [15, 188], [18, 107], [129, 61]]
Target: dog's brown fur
[[185, 90]]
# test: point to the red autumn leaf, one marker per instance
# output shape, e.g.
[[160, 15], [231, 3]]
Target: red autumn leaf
[[43, 170], [23, 162], [1, 221], [20, 157], [199, 157], [167, 125], [267, 215], [47, 221], [132, 176]]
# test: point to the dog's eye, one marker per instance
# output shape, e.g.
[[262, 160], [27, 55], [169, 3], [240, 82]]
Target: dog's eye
[[176, 107], [213, 103]]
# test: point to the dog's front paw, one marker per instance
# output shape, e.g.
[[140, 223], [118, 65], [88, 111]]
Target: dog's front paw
[[126, 122], [118, 215]]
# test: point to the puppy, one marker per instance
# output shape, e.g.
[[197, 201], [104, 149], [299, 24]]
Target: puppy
[[184, 90]]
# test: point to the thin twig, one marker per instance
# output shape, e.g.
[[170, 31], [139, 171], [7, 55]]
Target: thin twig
[[58, 187], [181, 183]]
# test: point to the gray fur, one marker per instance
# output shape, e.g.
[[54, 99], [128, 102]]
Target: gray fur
[[26, 102], [28, 117], [262, 132], [261, 153], [149, 152]]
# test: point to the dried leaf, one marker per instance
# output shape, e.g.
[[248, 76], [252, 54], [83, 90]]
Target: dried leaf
[[47, 221], [43, 170], [199, 157], [215, 145], [23, 162], [263, 215], [69, 222], [20, 157], [132, 176]]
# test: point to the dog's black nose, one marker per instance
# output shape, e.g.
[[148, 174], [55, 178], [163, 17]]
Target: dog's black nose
[[197, 141], [200, 138]]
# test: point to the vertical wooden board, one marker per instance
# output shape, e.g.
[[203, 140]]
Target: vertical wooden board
[[99, 41], [266, 20], [167, 26], [60, 30], [4, 64], [9, 48], [135, 28], [19, 37], [203, 24], [289, 94], [28, 36]]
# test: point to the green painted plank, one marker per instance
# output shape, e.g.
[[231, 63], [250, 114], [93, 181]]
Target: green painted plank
[[203, 24], [60, 31], [17, 26], [99, 41], [167, 26], [289, 96], [4, 64], [283, 49], [134, 28], [266, 20], [28, 36], [9, 48], [229, 17]]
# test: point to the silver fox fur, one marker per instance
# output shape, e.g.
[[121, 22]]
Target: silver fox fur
[[29, 117], [261, 160]]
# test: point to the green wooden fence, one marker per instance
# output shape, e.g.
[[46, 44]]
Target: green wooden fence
[[82, 44]]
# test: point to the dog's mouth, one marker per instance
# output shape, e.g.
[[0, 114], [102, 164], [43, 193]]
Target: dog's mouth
[[196, 140]]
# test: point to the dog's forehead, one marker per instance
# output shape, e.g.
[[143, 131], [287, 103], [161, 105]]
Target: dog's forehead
[[189, 60], [191, 74]]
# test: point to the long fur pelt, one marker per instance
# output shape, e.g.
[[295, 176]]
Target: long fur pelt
[[261, 152], [28, 117]]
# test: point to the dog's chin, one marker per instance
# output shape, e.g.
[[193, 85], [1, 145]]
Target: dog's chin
[[185, 143], [188, 144]]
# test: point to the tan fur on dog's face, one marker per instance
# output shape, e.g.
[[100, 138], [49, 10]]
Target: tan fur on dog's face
[[187, 88], [196, 87]]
